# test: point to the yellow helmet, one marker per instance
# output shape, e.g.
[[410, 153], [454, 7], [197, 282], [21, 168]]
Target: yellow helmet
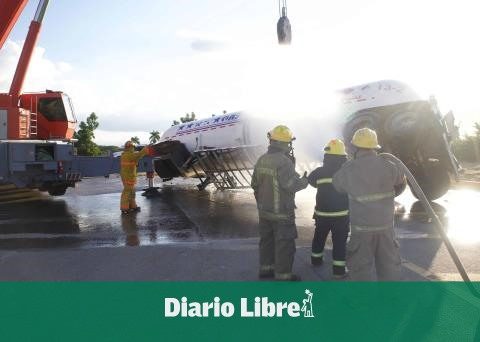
[[281, 133], [335, 147], [365, 138]]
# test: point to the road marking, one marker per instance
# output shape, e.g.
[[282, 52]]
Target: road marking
[[7, 187], [23, 200], [458, 277], [464, 295], [14, 191], [17, 196], [444, 276], [419, 270]]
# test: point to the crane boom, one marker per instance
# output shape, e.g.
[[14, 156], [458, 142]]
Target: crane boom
[[10, 11], [27, 51]]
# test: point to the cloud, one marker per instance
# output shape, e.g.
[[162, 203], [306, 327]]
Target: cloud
[[203, 41], [118, 138], [43, 73], [244, 68], [207, 45]]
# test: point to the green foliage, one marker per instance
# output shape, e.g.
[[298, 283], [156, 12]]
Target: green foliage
[[108, 150], [467, 149], [187, 118], [85, 136], [135, 140], [154, 137]]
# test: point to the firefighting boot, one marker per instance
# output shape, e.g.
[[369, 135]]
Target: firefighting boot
[[291, 277], [339, 272], [316, 260], [266, 272]]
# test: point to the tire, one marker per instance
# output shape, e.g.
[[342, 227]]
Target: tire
[[435, 182], [404, 131]]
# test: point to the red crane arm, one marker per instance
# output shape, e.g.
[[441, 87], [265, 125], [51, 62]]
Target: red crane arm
[[27, 51], [10, 10]]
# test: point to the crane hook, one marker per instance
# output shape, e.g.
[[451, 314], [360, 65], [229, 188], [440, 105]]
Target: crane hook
[[284, 29]]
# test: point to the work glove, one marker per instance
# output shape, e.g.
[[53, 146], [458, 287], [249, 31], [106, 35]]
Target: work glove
[[304, 180], [150, 150]]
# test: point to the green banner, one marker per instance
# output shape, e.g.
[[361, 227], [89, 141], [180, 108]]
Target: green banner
[[321, 311]]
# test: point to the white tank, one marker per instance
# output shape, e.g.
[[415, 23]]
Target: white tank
[[223, 131], [375, 94]]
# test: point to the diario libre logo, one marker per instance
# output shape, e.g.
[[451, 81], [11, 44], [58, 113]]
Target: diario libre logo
[[256, 307]]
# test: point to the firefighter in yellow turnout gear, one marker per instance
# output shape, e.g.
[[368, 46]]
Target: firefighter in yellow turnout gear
[[275, 183], [128, 173]]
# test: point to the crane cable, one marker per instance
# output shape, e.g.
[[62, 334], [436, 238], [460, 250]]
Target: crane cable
[[436, 221], [282, 8]]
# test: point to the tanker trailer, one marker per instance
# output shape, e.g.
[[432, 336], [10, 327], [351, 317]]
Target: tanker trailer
[[408, 126], [221, 150]]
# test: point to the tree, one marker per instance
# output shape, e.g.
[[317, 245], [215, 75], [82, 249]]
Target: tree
[[467, 149], [154, 137], [187, 118], [108, 150], [135, 140], [85, 136]]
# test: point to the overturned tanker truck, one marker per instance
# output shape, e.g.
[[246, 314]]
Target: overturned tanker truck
[[222, 150], [408, 126]]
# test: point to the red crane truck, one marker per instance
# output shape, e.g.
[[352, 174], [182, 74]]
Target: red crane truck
[[36, 129]]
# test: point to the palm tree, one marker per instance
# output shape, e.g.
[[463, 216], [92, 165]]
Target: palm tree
[[154, 137], [135, 140]]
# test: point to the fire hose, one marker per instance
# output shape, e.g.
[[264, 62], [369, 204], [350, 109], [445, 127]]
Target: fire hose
[[436, 221]]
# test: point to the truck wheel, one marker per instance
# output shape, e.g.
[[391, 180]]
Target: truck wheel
[[435, 183], [57, 190], [404, 131]]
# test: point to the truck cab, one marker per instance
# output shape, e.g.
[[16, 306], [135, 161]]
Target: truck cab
[[408, 126], [53, 116]]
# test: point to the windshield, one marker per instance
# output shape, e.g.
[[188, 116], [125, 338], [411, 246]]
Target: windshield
[[68, 108], [56, 108]]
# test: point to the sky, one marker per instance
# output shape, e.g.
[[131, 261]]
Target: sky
[[139, 64]]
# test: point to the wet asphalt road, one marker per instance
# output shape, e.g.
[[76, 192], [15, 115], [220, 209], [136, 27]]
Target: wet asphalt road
[[88, 217]]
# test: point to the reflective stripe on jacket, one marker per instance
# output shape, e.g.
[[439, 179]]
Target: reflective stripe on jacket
[[128, 165], [275, 183], [369, 181], [329, 202]]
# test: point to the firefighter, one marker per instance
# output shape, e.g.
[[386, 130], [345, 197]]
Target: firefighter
[[371, 182], [331, 209], [128, 173], [275, 183]]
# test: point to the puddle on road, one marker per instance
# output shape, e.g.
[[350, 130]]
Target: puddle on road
[[91, 221], [463, 222], [182, 213], [457, 210]]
